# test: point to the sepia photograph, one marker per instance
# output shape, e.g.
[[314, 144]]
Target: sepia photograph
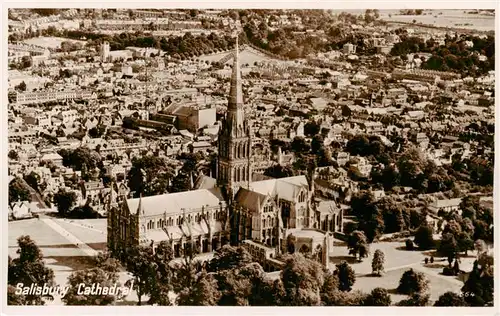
[[250, 157]]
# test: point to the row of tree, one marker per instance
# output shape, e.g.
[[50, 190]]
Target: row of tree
[[231, 278]]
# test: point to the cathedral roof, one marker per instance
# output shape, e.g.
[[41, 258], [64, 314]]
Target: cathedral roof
[[250, 199], [174, 203], [284, 188]]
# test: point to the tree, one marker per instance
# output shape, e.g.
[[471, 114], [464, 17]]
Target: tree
[[18, 191], [450, 299], [302, 280], [300, 146], [358, 145], [413, 282], [279, 171], [33, 180], [97, 131], [416, 299], [21, 87], [29, 269], [85, 211], [465, 242], [317, 144], [82, 156], [203, 292], [378, 297], [378, 262], [92, 276], [409, 244], [150, 175], [341, 298], [357, 243], [346, 276], [228, 257], [161, 280], [138, 263], [311, 128], [181, 182], [423, 237], [369, 215], [449, 247], [479, 288], [237, 285], [64, 200], [330, 286], [13, 155]]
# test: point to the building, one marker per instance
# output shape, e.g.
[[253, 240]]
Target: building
[[447, 205], [105, 49], [275, 214], [349, 48], [235, 139], [54, 96]]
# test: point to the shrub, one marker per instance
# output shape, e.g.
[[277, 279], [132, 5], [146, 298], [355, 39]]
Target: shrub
[[448, 271], [409, 244]]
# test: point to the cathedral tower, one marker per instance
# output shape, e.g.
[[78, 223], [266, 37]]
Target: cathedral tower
[[234, 169]]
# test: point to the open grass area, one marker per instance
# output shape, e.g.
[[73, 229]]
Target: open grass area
[[50, 42], [90, 231], [390, 281], [50, 242], [248, 56]]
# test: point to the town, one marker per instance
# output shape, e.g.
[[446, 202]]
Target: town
[[251, 157]]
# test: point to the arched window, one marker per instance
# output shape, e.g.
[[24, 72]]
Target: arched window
[[263, 223]]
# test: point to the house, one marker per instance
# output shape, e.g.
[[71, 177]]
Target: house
[[54, 158], [447, 205], [20, 210]]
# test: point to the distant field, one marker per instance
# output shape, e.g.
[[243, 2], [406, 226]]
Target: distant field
[[247, 56], [50, 42], [446, 18]]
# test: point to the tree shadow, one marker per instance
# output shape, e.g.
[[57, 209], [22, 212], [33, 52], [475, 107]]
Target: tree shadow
[[73, 262], [339, 259], [127, 303], [99, 246], [72, 246], [430, 253], [403, 248], [435, 265], [372, 275], [393, 291]]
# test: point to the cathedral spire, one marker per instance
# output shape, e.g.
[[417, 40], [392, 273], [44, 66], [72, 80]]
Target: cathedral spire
[[236, 91]]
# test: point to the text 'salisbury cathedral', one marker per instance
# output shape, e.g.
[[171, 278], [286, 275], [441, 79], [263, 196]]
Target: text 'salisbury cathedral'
[[270, 217]]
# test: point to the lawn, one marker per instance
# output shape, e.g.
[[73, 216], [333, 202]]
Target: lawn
[[50, 242], [90, 231], [395, 256], [390, 281]]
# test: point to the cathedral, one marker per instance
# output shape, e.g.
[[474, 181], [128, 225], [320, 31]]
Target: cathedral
[[274, 216]]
